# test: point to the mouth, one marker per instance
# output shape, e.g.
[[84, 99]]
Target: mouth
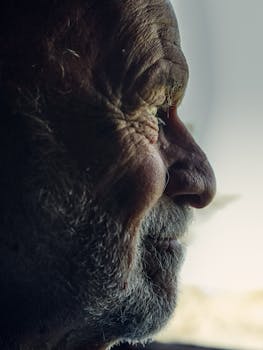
[[168, 244], [163, 258], [164, 236]]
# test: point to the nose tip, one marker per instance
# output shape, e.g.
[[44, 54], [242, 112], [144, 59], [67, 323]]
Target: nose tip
[[193, 183]]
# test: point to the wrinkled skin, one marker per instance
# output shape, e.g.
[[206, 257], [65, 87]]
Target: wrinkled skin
[[98, 173]]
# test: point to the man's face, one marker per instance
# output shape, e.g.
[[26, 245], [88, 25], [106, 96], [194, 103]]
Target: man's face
[[99, 172]]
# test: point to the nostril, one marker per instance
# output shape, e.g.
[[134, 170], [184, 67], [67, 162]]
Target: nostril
[[194, 200], [189, 199]]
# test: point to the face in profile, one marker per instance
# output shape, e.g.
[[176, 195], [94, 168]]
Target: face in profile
[[99, 174]]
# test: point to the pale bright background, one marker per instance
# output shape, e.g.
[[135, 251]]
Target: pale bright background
[[223, 42], [222, 278]]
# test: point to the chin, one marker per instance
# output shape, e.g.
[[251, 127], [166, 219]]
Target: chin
[[151, 303], [148, 304]]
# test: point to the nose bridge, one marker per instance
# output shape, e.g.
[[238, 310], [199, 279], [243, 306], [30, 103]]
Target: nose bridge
[[191, 177], [182, 147]]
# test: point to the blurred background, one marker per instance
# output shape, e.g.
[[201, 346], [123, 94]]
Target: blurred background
[[221, 296]]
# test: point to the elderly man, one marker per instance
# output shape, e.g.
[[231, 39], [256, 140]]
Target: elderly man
[[98, 173]]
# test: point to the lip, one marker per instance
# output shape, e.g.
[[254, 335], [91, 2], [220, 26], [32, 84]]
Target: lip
[[167, 244], [163, 258]]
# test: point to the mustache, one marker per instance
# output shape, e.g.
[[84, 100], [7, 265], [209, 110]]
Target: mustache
[[166, 220]]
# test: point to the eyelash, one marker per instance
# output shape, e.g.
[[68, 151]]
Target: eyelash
[[161, 116]]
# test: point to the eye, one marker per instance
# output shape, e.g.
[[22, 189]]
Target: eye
[[161, 117]]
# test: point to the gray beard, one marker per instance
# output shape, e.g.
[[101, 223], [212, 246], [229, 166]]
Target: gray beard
[[66, 254], [136, 308]]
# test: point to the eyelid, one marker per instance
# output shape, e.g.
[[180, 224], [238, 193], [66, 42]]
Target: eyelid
[[172, 102]]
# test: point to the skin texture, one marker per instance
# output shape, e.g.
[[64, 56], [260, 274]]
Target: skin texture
[[98, 173]]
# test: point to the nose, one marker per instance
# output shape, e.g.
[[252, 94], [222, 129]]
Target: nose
[[191, 178]]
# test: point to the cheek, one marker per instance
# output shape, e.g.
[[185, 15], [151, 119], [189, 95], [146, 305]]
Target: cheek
[[139, 190], [151, 178], [144, 183]]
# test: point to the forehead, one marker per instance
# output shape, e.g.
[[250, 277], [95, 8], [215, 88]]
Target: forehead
[[134, 34], [138, 18]]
